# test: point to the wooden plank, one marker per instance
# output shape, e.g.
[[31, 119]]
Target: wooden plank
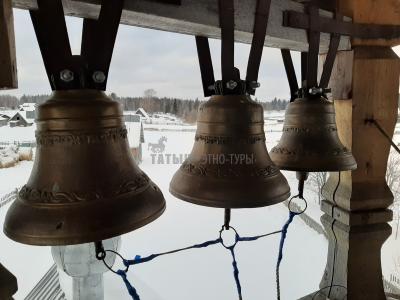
[[8, 60], [200, 17]]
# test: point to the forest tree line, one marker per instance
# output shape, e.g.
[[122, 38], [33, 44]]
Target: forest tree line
[[186, 109]]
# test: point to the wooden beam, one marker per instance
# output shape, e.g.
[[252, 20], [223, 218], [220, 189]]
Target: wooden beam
[[8, 61], [373, 12], [200, 17]]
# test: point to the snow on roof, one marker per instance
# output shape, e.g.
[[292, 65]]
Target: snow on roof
[[8, 113], [28, 106], [48, 287], [23, 114], [142, 112]]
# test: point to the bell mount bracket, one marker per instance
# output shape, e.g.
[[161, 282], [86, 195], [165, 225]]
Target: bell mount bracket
[[309, 61], [231, 82], [89, 69]]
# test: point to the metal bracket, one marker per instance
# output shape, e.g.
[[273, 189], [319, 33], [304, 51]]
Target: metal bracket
[[324, 24], [231, 82], [88, 70]]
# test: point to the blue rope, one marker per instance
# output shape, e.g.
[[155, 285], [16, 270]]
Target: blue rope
[[139, 260], [281, 245], [236, 271], [131, 290]]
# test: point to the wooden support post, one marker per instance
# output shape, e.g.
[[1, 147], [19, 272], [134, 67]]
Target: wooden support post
[[8, 61], [356, 207], [356, 215], [356, 210]]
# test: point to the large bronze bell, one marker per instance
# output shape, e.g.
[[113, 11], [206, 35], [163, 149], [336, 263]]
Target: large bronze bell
[[310, 141], [85, 185], [229, 166]]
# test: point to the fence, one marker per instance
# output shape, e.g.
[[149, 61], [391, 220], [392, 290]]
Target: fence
[[8, 197], [18, 143]]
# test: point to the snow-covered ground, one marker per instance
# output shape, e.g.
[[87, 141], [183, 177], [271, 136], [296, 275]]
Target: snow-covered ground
[[17, 134], [196, 274], [163, 119]]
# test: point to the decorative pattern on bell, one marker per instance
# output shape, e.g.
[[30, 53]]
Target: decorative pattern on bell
[[229, 166], [85, 185], [310, 140]]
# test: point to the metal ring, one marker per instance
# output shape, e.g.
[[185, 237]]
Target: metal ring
[[290, 204], [222, 240], [101, 255], [120, 256]]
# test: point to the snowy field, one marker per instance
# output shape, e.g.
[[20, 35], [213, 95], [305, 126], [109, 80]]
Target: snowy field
[[195, 274]]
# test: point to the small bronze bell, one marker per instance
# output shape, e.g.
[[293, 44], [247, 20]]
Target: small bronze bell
[[229, 166], [310, 142], [85, 185]]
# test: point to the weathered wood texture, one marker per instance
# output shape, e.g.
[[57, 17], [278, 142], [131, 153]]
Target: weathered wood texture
[[342, 75], [356, 215], [357, 212], [200, 17], [374, 94], [8, 61], [373, 12]]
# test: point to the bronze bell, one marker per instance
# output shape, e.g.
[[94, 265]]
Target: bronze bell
[[310, 141], [229, 166], [85, 185]]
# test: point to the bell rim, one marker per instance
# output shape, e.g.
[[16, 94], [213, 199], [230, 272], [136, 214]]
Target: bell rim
[[50, 240], [345, 168], [212, 203], [351, 166]]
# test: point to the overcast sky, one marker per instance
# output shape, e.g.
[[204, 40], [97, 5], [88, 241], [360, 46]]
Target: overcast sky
[[144, 59]]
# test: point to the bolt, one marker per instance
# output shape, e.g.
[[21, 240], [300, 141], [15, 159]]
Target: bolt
[[254, 84], [231, 84], [315, 91], [99, 77], [67, 75]]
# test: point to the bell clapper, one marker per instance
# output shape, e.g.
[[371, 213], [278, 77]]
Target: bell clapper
[[100, 252], [227, 218], [302, 178]]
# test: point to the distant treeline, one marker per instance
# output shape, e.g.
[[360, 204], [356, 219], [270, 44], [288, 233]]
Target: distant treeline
[[186, 109]]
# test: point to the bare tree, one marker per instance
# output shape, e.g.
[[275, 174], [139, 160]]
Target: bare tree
[[316, 181], [150, 93]]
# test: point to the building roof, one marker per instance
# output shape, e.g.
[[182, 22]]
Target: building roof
[[48, 287], [142, 112], [28, 106], [8, 113], [23, 114]]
